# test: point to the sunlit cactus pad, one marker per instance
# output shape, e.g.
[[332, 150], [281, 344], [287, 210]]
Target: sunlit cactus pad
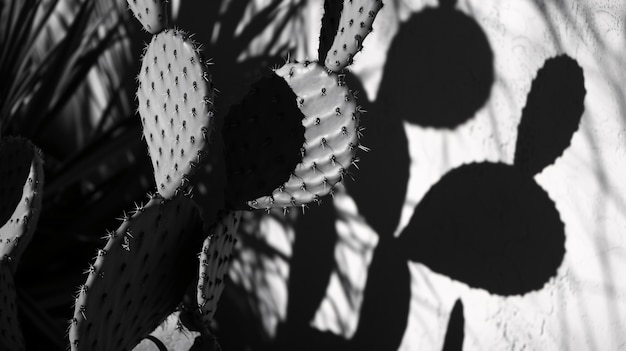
[[139, 277], [214, 263], [332, 132], [355, 24], [175, 98], [152, 14], [11, 338], [21, 182]]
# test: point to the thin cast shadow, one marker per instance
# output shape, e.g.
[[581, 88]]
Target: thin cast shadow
[[456, 325]]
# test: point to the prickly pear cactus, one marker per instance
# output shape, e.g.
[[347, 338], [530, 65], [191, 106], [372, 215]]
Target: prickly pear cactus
[[214, 263], [21, 182], [175, 97], [152, 14], [262, 139], [11, 338], [355, 24], [139, 277], [332, 132]]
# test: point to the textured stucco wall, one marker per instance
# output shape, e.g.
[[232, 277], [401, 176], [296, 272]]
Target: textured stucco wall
[[584, 306]]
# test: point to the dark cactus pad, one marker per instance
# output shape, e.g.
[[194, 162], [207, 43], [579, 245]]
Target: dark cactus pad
[[11, 338], [139, 277], [214, 264], [262, 139]]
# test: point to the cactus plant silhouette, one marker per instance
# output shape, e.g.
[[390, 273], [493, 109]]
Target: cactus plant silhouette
[[491, 225]]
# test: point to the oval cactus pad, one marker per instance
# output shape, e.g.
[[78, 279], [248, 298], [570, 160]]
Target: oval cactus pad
[[150, 13], [332, 132], [21, 182], [175, 97], [355, 24], [215, 262], [139, 277]]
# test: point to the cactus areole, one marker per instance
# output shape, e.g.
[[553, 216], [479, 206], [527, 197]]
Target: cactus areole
[[175, 98]]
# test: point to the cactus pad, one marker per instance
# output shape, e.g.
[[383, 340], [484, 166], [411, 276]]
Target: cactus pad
[[150, 13], [355, 24], [262, 139], [175, 97], [332, 132], [214, 263], [21, 182], [11, 338], [139, 277]]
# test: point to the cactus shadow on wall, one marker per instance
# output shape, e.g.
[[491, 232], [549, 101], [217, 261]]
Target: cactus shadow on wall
[[439, 69], [383, 176], [315, 242], [491, 225]]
